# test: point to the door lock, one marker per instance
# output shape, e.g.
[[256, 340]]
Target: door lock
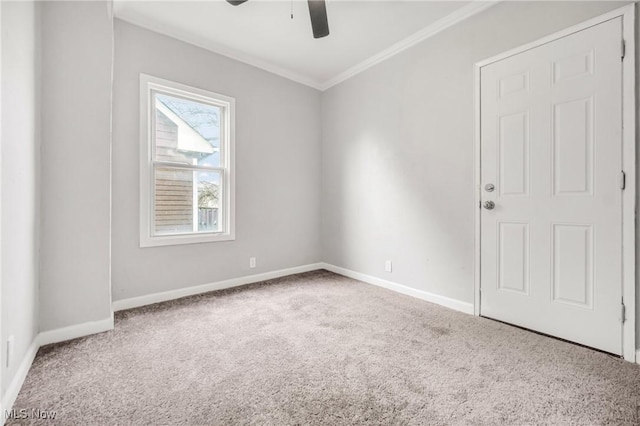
[[489, 187], [489, 205]]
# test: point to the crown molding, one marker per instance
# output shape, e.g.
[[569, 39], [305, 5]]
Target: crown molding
[[438, 26], [224, 51], [465, 12]]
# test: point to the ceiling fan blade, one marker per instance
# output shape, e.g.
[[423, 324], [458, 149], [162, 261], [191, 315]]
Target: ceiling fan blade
[[235, 2], [319, 22]]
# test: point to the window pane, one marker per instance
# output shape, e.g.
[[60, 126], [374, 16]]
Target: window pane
[[186, 131], [187, 201], [209, 198]]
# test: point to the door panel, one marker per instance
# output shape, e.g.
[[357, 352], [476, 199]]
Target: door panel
[[513, 257], [514, 154], [551, 143], [572, 141], [572, 265]]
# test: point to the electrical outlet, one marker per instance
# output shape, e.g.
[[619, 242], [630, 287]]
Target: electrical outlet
[[252, 262], [388, 266], [10, 344]]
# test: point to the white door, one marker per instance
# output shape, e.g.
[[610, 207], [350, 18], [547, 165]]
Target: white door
[[551, 145]]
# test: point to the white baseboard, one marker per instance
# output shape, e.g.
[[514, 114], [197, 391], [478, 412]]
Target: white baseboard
[[447, 302], [75, 331], [18, 379], [45, 338], [638, 356], [150, 299], [164, 296]]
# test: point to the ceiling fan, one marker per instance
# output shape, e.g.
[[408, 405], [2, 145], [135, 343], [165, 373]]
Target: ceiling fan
[[317, 11]]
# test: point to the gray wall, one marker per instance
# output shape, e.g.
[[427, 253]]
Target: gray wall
[[397, 157], [391, 150], [277, 168], [20, 147], [77, 45]]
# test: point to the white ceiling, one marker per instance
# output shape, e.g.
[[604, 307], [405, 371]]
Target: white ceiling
[[262, 33]]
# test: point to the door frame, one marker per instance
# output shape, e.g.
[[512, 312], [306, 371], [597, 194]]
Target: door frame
[[628, 163]]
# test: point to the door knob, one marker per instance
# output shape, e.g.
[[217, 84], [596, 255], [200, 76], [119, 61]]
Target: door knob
[[489, 205]]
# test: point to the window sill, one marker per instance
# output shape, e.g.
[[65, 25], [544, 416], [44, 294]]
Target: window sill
[[174, 240]]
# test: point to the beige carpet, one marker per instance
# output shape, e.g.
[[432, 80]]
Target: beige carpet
[[318, 348]]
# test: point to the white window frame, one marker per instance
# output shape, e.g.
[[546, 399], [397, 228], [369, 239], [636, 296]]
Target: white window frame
[[148, 84]]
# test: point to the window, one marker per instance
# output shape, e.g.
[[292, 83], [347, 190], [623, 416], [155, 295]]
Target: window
[[186, 164]]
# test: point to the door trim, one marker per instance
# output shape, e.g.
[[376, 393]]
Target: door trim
[[628, 162]]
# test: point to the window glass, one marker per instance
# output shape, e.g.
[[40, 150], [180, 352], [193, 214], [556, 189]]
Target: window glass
[[186, 131], [187, 201]]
